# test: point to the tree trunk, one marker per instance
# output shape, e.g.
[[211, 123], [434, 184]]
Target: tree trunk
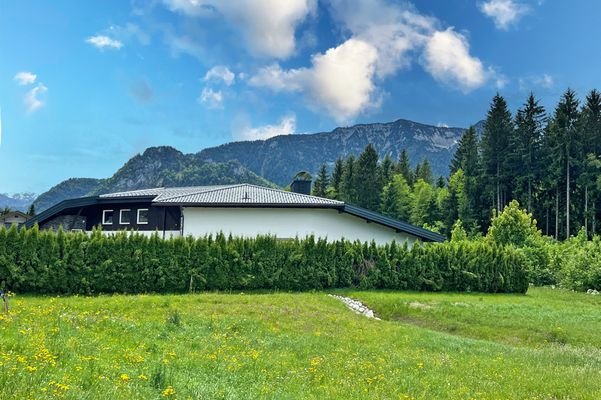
[[529, 195], [547, 222], [568, 198], [498, 191], [593, 231], [586, 210], [557, 213]]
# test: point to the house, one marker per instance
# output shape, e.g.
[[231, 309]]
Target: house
[[13, 218], [241, 210]]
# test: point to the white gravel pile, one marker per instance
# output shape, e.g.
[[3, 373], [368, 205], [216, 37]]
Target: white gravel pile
[[356, 306]]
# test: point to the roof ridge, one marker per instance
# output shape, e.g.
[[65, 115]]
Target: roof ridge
[[131, 191], [224, 187], [294, 193]]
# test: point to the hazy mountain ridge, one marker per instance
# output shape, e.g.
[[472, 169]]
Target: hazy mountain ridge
[[157, 166], [279, 158], [17, 201], [276, 159]]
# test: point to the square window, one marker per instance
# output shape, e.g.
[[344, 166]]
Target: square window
[[107, 217], [125, 216], [143, 216]]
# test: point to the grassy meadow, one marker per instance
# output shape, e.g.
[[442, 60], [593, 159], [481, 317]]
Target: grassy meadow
[[542, 345]]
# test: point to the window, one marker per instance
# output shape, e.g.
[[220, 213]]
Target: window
[[125, 216], [107, 217], [142, 216]]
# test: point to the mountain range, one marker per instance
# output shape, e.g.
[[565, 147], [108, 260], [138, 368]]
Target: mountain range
[[17, 201], [267, 162]]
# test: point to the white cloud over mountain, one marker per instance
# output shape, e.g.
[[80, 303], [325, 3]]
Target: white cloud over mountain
[[341, 79], [211, 98], [384, 39], [446, 57], [378, 39], [286, 126]]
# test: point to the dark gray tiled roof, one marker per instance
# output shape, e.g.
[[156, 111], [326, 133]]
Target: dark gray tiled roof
[[155, 192], [228, 195]]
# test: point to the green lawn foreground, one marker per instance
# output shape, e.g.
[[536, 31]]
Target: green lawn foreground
[[543, 345]]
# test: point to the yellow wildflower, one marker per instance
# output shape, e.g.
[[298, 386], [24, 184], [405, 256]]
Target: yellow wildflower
[[169, 391], [124, 377]]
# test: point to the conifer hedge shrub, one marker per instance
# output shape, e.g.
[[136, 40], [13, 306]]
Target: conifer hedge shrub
[[34, 261]]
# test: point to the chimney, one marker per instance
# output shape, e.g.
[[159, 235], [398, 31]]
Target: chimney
[[301, 183]]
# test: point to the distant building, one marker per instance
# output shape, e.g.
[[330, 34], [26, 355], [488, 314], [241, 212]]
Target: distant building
[[241, 210], [14, 218]]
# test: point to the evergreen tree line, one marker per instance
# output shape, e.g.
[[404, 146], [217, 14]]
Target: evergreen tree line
[[34, 261], [393, 188], [549, 162]]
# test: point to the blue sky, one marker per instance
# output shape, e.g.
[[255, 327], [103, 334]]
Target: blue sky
[[86, 85]]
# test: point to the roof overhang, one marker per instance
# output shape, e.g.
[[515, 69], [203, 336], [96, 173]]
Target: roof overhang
[[399, 226], [82, 202]]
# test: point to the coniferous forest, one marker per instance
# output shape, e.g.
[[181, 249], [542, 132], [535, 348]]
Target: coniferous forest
[[547, 160]]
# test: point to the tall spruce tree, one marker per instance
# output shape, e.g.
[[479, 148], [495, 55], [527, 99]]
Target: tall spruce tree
[[348, 183], [397, 198], [386, 170], [404, 167], [425, 172], [498, 129], [467, 159], [525, 152], [320, 188], [367, 178], [337, 177], [423, 193], [591, 149], [565, 132]]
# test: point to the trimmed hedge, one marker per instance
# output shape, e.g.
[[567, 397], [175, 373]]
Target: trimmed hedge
[[33, 261]]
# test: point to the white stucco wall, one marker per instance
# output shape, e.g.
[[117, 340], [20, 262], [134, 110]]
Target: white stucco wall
[[8, 221], [286, 223]]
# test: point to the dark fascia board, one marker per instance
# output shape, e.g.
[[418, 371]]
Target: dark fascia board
[[401, 226], [57, 208], [82, 202], [248, 205]]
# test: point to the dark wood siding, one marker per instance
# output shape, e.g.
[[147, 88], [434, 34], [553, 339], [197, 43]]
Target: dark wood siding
[[159, 218]]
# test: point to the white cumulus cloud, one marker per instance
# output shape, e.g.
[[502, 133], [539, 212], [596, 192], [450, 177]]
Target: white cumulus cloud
[[395, 30], [212, 98], [544, 81], [102, 42], [268, 26], [504, 13], [339, 80], [447, 58], [383, 39], [287, 126], [25, 78], [220, 73], [34, 98]]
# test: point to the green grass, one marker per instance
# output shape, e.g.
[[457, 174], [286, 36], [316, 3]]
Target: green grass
[[543, 345]]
